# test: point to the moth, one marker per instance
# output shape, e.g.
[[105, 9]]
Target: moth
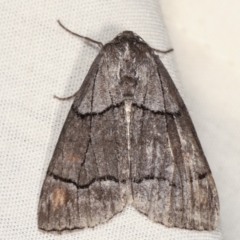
[[128, 139]]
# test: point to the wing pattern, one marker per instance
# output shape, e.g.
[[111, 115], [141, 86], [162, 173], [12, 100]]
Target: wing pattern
[[128, 139]]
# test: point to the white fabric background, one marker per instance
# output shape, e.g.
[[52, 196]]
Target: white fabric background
[[39, 59]]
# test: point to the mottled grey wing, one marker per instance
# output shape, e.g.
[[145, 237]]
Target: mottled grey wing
[[82, 187], [172, 182]]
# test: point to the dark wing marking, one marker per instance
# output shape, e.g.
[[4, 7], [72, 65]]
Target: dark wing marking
[[86, 178], [172, 182]]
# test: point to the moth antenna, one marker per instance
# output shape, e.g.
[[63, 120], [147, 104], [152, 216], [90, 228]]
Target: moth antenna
[[160, 51], [66, 98], [75, 34]]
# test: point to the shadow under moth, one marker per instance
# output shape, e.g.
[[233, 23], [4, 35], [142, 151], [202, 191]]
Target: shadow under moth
[[128, 139]]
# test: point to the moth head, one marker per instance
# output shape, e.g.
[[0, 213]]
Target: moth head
[[127, 36]]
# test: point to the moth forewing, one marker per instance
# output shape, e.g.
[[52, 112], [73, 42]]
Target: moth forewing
[[128, 139]]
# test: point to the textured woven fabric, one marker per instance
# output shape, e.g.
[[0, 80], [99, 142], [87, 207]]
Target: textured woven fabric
[[39, 59]]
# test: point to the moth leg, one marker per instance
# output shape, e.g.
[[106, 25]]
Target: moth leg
[[161, 51], [66, 98], [75, 34]]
